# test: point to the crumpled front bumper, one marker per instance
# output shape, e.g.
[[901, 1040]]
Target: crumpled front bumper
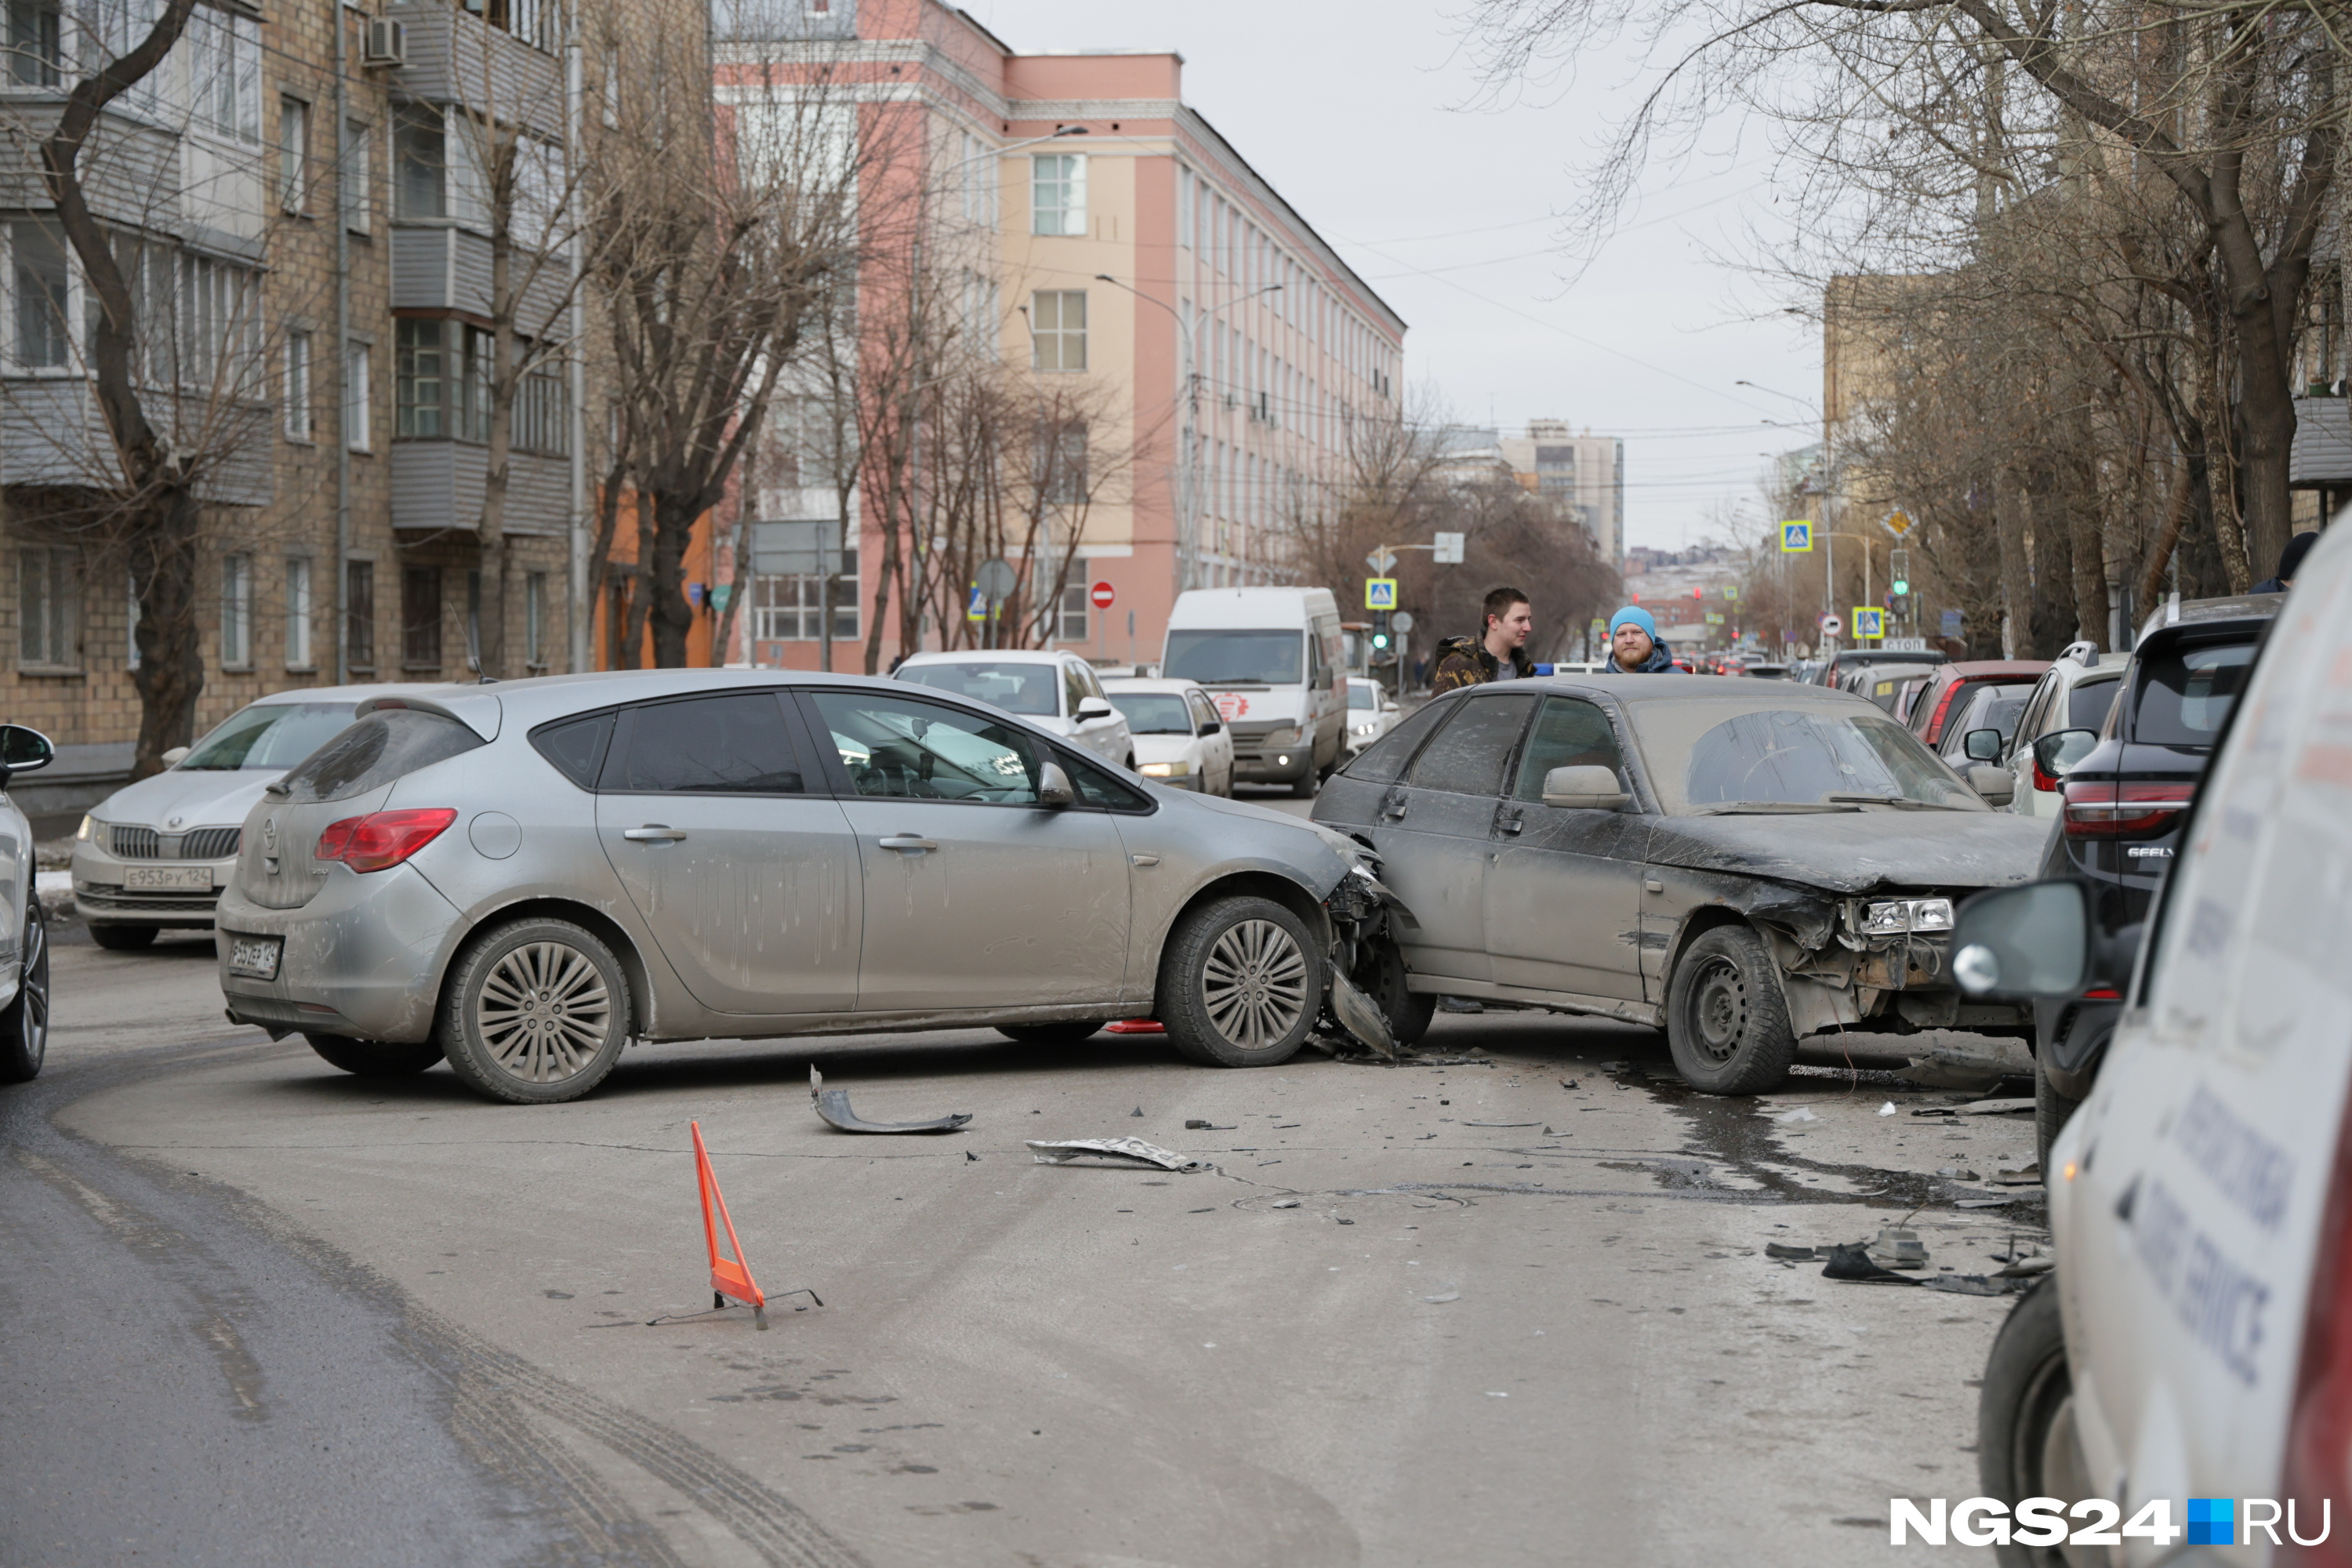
[[364, 957]]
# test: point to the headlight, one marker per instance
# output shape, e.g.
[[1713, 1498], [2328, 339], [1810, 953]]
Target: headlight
[[1285, 736], [1165, 770], [1907, 914], [1366, 729], [89, 828]]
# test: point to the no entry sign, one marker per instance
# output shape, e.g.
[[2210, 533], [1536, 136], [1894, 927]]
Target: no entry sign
[[1103, 595]]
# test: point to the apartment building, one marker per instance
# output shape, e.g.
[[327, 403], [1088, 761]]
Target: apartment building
[[1113, 240], [1583, 475], [299, 200]]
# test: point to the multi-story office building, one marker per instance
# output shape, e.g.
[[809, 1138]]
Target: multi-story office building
[[1583, 475], [1115, 241], [299, 197]]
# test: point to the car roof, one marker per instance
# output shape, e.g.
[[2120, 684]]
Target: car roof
[[348, 693], [1649, 689], [1995, 669], [984, 656], [1151, 683]]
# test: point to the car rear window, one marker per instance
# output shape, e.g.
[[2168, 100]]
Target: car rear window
[[373, 752], [2184, 693]]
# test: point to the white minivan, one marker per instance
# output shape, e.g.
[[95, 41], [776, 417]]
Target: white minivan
[[1273, 661]]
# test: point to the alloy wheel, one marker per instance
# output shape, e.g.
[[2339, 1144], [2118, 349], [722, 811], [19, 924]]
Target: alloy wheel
[[1254, 983], [544, 1012], [35, 982]]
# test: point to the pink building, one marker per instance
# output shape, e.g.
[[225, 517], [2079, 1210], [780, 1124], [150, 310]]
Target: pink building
[[1116, 243]]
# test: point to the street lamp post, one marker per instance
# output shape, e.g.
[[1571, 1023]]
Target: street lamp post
[[1188, 523]]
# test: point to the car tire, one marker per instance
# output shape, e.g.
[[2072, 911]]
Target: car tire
[[2052, 1110], [376, 1059], [2025, 1419], [1381, 977], [1304, 788], [1726, 1021], [122, 939], [1051, 1034], [565, 1016], [1240, 983], [24, 1022]]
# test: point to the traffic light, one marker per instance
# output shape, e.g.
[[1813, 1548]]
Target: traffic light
[[1898, 564], [1379, 631]]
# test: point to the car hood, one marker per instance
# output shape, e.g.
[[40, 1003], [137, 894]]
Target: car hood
[[1349, 851], [1162, 748], [1860, 852], [206, 797]]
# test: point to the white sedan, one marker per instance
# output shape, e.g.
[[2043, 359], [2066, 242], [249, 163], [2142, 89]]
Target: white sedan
[[1053, 690], [1179, 740], [1371, 712]]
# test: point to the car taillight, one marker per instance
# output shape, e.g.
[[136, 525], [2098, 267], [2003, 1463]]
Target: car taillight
[[1935, 721], [381, 839], [2108, 810], [2318, 1470]]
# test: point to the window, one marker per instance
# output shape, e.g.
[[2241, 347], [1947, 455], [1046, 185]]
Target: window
[[1059, 193], [542, 410], [534, 619], [1569, 734], [358, 169], [442, 389], [980, 176], [786, 608], [474, 621], [2186, 692], [44, 294], [420, 617], [1057, 329], [358, 430], [359, 614], [576, 746], [420, 164], [1469, 758], [298, 613], [49, 608], [34, 38], [612, 85], [735, 744], [1074, 606], [1061, 476], [899, 748], [529, 20], [236, 612], [293, 155], [220, 325], [226, 70], [297, 387]]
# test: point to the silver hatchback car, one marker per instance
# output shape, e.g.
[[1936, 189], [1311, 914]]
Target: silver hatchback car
[[522, 878]]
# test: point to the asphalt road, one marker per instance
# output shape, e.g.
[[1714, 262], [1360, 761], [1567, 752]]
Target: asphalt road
[[259, 1311]]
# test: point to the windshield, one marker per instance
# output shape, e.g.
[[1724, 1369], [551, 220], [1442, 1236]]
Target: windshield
[[274, 735], [1015, 688], [1361, 696], [1154, 712], [1236, 658], [1714, 756], [2187, 691]]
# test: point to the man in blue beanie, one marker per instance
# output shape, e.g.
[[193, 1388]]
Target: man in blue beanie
[[1635, 647]]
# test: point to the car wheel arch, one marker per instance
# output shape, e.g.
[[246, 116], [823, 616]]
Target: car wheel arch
[[1696, 924], [587, 916], [1270, 885]]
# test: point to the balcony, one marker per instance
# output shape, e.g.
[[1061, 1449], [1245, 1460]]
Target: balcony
[[53, 434], [2321, 458], [454, 56], [439, 266], [439, 485]]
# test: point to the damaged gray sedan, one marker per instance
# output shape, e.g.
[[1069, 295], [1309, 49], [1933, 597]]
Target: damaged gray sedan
[[522, 878], [1742, 865]]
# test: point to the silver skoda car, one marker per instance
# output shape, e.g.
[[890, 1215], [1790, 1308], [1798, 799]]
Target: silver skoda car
[[522, 878]]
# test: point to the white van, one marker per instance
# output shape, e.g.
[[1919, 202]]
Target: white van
[[1273, 661]]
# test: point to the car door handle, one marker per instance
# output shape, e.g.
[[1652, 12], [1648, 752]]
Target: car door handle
[[1392, 810], [905, 841], [654, 833], [1511, 824], [1652, 885]]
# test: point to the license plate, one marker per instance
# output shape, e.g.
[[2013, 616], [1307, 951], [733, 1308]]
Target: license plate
[[175, 879], [254, 955]]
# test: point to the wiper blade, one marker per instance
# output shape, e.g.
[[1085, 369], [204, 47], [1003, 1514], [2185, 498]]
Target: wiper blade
[[1902, 802], [1775, 808]]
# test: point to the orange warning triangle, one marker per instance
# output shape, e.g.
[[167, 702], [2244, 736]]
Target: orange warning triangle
[[729, 1276]]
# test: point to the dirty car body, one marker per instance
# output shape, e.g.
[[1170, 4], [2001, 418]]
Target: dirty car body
[[1774, 861], [524, 877]]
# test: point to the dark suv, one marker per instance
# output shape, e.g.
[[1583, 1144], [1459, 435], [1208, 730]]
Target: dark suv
[[2125, 802]]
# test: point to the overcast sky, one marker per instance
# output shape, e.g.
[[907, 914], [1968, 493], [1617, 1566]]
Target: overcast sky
[[1358, 113]]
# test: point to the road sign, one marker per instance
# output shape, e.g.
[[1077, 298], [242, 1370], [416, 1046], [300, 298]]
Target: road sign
[[1448, 551], [995, 579], [1380, 593], [1402, 621], [978, 609], [1951, 623], [1102, 596], [1905, 645], [1869, 621], [1730, 591], [1830, 623], [796, 548], [1380, 559], [1796, 537], [1897, 522]]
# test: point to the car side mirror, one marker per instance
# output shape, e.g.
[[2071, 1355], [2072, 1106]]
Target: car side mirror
[[1588, 788], [172, 758], [1054, 786], [2033, 941], [1982, 745], [2054, 754], [1997, 786], [22, 750], [1092, 708], [1213, 727]]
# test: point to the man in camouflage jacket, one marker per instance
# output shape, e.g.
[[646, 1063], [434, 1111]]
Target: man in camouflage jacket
[[1499, 655]]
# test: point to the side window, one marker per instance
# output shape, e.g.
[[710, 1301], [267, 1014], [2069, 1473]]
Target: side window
[[921, 750], [1095, 787], [1094, 682], [576, 746], [735, 743], [1203, 715], [1568, 734], [1469, 753], [1074, 689], [2028, 729], [1383, 761]]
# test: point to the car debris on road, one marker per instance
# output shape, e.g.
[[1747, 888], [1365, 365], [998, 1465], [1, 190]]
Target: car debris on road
[[833, 1104], [1122, 1152]]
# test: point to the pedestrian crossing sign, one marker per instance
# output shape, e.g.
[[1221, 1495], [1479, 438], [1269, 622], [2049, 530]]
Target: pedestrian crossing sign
[[1796, 537], [1869, 622], [1380, 593], [978, 609]]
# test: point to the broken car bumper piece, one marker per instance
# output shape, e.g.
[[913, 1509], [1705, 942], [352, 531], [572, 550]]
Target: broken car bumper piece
[[833, 1104]]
